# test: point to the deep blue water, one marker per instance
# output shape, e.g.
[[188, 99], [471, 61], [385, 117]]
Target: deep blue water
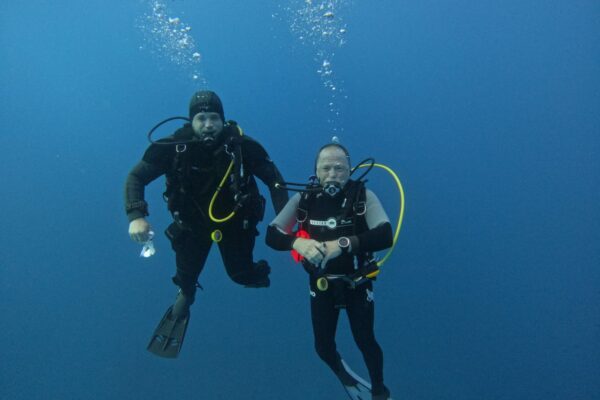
[[487, 110]]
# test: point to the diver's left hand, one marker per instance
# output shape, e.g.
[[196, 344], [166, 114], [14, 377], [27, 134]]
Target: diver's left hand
[[333, 251]]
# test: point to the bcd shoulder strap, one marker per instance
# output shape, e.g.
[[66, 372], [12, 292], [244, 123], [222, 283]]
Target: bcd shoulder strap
[[354, 203], [233, 147]]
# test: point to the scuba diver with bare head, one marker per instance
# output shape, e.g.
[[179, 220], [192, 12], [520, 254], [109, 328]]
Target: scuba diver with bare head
[[339, 224]]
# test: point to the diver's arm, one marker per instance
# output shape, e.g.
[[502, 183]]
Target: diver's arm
[[278, 196], [375, 214], [279, 232], [139, 230], [140, 176], [154, 163], [280, 237], [257, 159], [379, 236], [375, 239]]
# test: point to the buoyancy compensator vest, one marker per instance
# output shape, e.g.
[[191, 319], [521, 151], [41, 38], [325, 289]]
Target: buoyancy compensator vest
[[199, 174], [326, 217]]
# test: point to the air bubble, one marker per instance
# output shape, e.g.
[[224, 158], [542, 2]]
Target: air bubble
[[167, 37]]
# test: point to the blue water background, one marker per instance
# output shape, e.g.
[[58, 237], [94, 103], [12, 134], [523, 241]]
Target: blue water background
[[487, 110]]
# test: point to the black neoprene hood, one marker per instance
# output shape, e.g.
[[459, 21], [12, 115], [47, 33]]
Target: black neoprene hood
[[206, 101]]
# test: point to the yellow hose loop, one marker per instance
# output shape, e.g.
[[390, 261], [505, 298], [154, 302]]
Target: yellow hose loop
[[373, 274], [401, 214], [214, 197]]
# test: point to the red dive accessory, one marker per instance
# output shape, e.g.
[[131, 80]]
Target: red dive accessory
[[301, 233]]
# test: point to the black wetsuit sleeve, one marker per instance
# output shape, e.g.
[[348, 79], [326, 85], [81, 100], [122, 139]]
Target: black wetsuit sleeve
[[261, 166], [279, 240], [279, 232], [153, 164], [378, 238]]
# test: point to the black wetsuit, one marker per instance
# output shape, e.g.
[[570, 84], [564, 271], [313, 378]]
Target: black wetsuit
[[193, 176], [365, 237]]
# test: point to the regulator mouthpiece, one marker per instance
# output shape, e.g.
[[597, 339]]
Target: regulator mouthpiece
[[332, 188]]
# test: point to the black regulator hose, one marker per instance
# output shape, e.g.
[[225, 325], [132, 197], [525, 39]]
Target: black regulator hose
[[161, 124]]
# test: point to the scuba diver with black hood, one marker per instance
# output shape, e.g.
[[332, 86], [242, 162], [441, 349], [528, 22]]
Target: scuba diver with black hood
[[340, 224], [210, 167]]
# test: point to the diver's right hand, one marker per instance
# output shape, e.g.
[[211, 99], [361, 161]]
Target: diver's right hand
[[310, 249], [139, 230]]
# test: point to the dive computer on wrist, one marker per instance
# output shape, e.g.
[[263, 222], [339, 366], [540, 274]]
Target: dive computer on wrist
[[344, 244]]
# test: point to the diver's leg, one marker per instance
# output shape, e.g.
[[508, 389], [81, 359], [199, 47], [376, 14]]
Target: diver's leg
[[361, 314], [325, 311], [191, 250], [236, 249], [324, 307], [324, 316]]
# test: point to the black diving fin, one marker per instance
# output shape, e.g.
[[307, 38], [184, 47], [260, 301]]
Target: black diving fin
[[169, 334]]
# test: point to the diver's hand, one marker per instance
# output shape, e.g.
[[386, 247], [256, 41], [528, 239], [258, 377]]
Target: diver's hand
[[139, 230], [310, 249], [333, 250]]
